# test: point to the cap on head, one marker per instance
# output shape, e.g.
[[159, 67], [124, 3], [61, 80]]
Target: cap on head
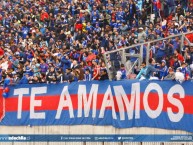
[[164, 61]]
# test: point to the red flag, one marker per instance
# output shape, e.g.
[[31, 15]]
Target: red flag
[[158, 4], [1, 52], [2, 104]]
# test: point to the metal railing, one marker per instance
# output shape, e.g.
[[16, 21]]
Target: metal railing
[[140, 55]]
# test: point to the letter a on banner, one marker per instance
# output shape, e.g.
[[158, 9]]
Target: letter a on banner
[[2, 104]]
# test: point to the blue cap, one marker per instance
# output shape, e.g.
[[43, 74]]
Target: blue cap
[[95, 60]]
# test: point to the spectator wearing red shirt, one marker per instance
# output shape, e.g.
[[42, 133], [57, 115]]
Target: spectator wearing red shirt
[[1, 52], [78, 26], [96, 71], [171, 61], [44, 16], [1, 17], [178, 55]]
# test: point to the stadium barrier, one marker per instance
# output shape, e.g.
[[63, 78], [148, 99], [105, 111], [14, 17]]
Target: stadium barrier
[[144, 50]]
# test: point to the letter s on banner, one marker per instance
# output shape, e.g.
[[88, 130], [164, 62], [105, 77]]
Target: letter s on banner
[[176, 117], [153, 113]]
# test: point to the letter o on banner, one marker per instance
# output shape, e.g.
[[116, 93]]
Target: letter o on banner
[[153, 113]]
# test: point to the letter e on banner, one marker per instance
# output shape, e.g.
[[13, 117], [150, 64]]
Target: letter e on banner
[[34, 103]]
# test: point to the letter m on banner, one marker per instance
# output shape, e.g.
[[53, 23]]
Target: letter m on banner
[[2, 104]]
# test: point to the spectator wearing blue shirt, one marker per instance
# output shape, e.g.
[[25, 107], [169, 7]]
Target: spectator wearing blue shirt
[[155, 9], [133, 51], [105, 42], [43, 30], [24, 79], [176, 64], [94, 19], [66, 63], [185, 71], [25, 31], [119, 15], [43, 67], [97, 28], [89, 27], [123, 29], [56, 10], [16, 38], [160, 51], [87, 75], [73, 9], [163, 70], [151, 70], [175, 43], [141, 74], [123, 71], [116, 24], [171, 5], [94, 11]]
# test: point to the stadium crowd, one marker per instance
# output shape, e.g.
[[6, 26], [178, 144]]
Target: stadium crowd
[[50, 41]]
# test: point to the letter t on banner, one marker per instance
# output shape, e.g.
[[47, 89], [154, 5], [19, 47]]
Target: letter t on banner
[[20, 92]]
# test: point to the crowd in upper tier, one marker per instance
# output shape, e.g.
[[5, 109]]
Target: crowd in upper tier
[[52, 41]]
